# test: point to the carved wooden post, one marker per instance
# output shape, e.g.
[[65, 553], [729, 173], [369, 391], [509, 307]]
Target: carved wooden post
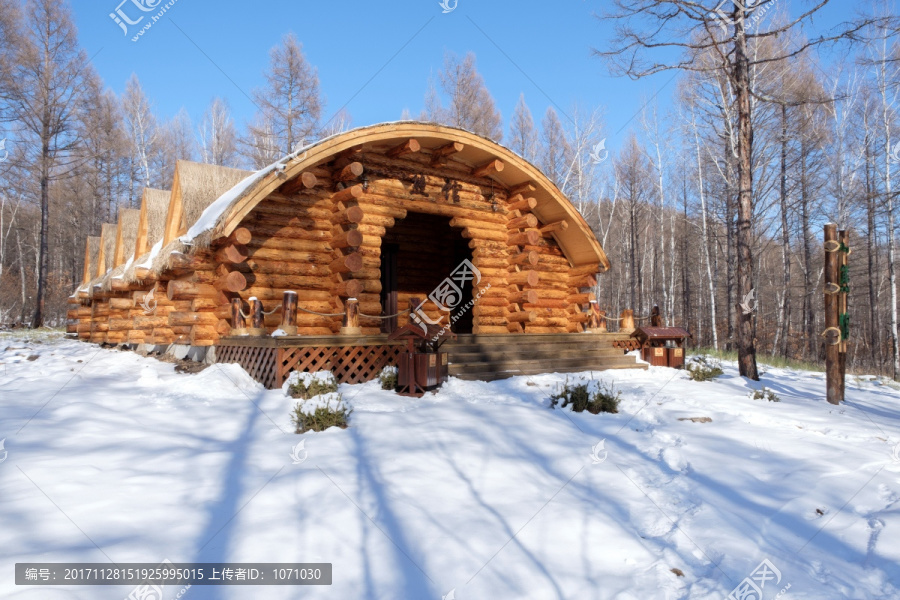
[[238, 323], [843, 311], [257, 318], [289, 313], [832, 332], [351, 318], [626, 325], [655, 317]]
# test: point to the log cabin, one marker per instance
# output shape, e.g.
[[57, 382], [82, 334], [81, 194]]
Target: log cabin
[[340, 243]]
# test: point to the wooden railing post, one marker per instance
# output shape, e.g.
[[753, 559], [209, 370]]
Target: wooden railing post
[[351, 318], [257, 318], [626, 325], [238, 323], [598, 318], [289, 313]]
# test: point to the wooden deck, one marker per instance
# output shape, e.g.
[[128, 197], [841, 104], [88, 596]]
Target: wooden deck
[[356, 359]]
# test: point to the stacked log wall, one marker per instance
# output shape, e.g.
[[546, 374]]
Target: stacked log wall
[[322, 234]]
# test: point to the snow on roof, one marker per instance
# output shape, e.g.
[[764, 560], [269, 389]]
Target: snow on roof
[[217, 209]]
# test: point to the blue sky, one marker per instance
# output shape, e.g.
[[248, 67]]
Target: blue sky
[[375, 57]]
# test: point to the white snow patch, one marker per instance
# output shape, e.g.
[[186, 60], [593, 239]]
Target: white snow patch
[[479, 487]]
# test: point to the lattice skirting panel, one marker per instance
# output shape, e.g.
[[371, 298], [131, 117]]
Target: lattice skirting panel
[[272, 366], [627, 345], [258, 362]]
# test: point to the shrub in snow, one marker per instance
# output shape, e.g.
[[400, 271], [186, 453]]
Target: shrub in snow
[[321, 412], [307, 385], [765, 394], [703, 368], [592, 396], [320, 406], [388, 378]]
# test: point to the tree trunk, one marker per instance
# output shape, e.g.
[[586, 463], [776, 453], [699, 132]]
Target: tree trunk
[[808, 312], [746, 330], [785, 242], [874, 329], [711, 281], [43, 253], [730, 254]]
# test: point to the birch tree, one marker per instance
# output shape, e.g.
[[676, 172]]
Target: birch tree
[[217, 136]]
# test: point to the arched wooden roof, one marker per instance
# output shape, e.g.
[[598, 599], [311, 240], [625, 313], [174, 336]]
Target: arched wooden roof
[[577, 242]]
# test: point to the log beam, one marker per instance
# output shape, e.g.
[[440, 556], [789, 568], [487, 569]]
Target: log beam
[[347, 239], [411, 146], [524, 189], [241, 236], [347, 264], [351, 193], [521, 203], [232, 282], [309, 180], [349, 289], [528, 221], [438, 155], [529, 278], [232, 253], [557, 227], [529, 237], [352, 171], [488, 169]]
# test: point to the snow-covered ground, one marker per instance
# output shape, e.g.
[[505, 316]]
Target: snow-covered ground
[[477, 492]]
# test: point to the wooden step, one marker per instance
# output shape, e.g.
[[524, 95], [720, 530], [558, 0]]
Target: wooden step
[[537, 338], [548, 364], [548, 346], [497, 375], [526, 352]]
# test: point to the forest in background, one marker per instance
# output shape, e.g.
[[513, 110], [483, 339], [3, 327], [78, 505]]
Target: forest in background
[[664, 205]]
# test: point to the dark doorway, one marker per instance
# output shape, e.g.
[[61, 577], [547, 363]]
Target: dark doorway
[[417, 254], [389, 291]]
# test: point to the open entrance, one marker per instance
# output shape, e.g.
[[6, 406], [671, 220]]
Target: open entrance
[[417, 254]]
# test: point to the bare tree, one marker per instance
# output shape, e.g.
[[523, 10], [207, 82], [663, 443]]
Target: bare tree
[[290, 105], [142, 131], [106, 173], [647, 27], [43, 80], [886, 76], [339, 123], [523, 137], [217, 136], [471, 105], [556, 152], [176, 142]]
